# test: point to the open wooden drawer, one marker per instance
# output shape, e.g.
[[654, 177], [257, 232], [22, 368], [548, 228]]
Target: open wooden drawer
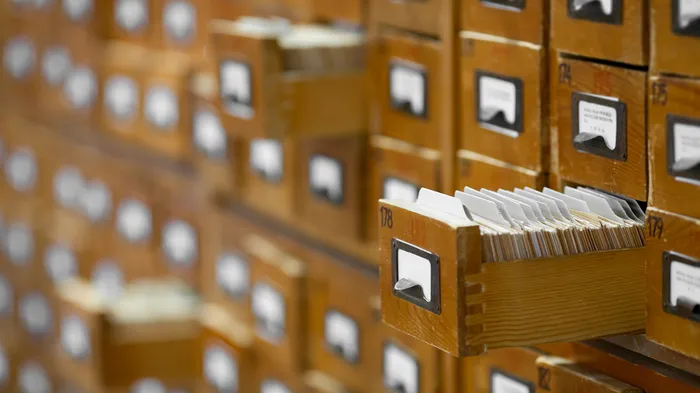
[[274, 78], [468, 306]]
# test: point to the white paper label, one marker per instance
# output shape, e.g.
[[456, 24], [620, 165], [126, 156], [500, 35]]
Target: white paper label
[[162, 107], [35, 314], [236, 86], [396, 189], [77, 10], [326, 174], [121, 97], [686, 143], [220, 369], [108, 280], [606, 5], [75, 337], [685, 282], [269, 311], [19, 244], [407, 84], [688, 11], [600, 120], [209, 134], [134, 220], [19, 57], [497, 96], [7, 297], [342, 333], [55, 65], [96, 200], [21, 170], [148, 385], [416, 269], [131, 15], [180, 20], [503, 384], [232, 274], [33, 378], [180, 243], [60, 263], [266, 156], [68, 186], [273, 386], [400, 370], [80, 87]]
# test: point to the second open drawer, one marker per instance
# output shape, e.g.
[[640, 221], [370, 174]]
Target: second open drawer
[[468, 306]]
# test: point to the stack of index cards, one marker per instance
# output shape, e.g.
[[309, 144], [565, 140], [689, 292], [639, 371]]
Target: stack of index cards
[[529, 224]]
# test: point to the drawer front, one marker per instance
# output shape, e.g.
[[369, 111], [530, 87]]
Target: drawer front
[[410, 94], [674, 123], [499, 370], [672, 265], [618, 28], [675, 37], [561, 375], [503, 101], [619, 149], [423, 17], [521, 20]]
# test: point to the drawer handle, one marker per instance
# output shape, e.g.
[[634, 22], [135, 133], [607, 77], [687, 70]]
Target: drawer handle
[[416, 275], [680, 288], [688, 308], [683, 155], [508, 5], [601, 11], [686, 18], [599, 125]]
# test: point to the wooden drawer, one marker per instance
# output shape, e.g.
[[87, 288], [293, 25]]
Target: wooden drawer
[[181, 25], [674, 122], [521, 20], [615, 30], [277, 304], [332, 185], [675, 37], [426, 17], [226, 353], [496, 371], [408, 86], [470, 307], [164, 105], [349, 11], [128, 20], [615, 160], [398, 170], [100, 347], [559, 375], [269, 91], [672, 265], [503, 100], [212, 150], [225, 267], [408, 365], [344, 331], [269, 176], [477, 171], [123, 80]]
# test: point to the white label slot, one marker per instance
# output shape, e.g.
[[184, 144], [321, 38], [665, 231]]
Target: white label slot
[[326, 177], [596, 120], [497, 96], [266, 157], [122, 97], [416, 270], [232, 274], [180, 20], [220, 369], [269, 311], [686, 146], [606, 5], [162, 107], [236, 89], [407, 87], [503, 384], [342, 334], [400, 370], [684, 282], [688, 12]]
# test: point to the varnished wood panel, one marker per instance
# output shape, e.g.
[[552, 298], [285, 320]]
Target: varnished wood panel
[[432, 17], [530, 24], [671, 52], [670, 96], [627, 177], [626, 42], [524, 64], [561, 375]]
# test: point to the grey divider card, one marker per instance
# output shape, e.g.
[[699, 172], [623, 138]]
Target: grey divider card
[[601, 11], [499, 103], [686, 17], [683, 148], [408, 87], [599, 125]]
